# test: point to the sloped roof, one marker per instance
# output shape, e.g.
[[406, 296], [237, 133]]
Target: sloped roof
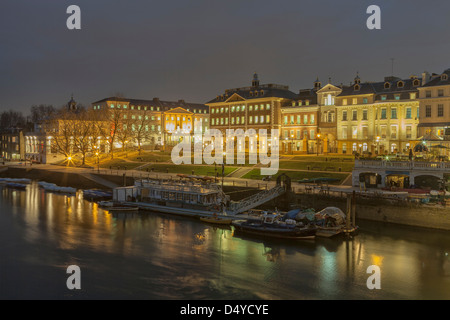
[[164, 105], [437, 80]]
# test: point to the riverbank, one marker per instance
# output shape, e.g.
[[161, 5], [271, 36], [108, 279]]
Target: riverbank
[[396, 212]]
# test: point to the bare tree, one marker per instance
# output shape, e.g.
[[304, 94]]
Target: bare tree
[[108, 123], [60, 127], [41, 112], [83, 133], [124, 132], [12, 119], [141, 132]]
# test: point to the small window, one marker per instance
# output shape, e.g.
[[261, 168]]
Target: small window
[[357, 87], [444, 77], [400, 84], [416, 83], [387, 85]]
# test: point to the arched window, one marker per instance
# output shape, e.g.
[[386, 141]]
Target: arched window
[[364, 147], [393, 148], [329, 101], [387, 85]]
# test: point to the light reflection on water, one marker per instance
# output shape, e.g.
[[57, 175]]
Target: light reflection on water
[[155, 256]]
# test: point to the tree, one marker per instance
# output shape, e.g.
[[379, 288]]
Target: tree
[[12, 119], [124, 132], [84, 133], [41, 112], [61, 127], [140, 129], [108, 123]]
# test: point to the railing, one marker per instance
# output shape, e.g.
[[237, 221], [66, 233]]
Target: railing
[[256, 199], [410, 165]]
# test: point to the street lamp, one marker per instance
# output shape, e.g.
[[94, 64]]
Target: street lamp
[[318, 143], [292, 143], [378, 142]]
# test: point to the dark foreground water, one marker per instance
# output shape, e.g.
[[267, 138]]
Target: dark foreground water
[[152, 256]]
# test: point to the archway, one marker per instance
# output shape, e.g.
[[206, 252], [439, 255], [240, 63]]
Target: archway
[[401, 181]]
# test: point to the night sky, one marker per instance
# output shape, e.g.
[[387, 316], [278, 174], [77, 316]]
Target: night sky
[[195, 49]]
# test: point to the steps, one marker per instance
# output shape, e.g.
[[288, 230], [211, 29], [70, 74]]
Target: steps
[[256, 200]]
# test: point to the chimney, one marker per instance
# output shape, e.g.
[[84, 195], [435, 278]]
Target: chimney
[[425, 77], [181, 102], [155, 99]]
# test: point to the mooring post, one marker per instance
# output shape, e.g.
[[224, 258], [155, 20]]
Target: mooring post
[[354, 208], [349, 210]]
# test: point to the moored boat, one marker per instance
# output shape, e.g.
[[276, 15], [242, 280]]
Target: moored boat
[[271, 226], [105, 204], [216, 220], [124, 208], [54, 188], [12, 185]]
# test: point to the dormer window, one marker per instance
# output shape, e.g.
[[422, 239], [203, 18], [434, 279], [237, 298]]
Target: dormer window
[[357, 87], [416, 82], [444, 77], [256, 93], [262, 92], [387, 85], [251, 93], [400, 84]]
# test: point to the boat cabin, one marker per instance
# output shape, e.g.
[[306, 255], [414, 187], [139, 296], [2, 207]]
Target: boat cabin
[[171, 192]]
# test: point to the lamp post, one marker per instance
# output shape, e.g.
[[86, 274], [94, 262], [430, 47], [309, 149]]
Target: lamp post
[[378, 142], [292, 144], [318, 143], [98, 162]]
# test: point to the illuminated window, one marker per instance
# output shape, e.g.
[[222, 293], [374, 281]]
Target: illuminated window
[[394, 113], [393, 132], [344, 132], [408, 132], [354, 132], [408, 113]]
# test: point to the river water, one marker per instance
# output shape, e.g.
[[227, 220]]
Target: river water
[[155, 256]]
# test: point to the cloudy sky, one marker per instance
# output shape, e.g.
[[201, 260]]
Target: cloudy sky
[[195, 49]]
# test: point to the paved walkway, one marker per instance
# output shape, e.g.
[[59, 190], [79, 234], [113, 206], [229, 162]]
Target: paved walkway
[[91, 173]]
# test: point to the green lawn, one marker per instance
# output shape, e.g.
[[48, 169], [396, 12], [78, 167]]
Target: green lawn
[[298, 175], [187, 169], [317, 165]]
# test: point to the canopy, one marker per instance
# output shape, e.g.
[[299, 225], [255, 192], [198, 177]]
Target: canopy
[[420, 148]]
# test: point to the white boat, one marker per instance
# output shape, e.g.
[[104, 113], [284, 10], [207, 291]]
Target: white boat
[[105, 203], [54, 188]]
